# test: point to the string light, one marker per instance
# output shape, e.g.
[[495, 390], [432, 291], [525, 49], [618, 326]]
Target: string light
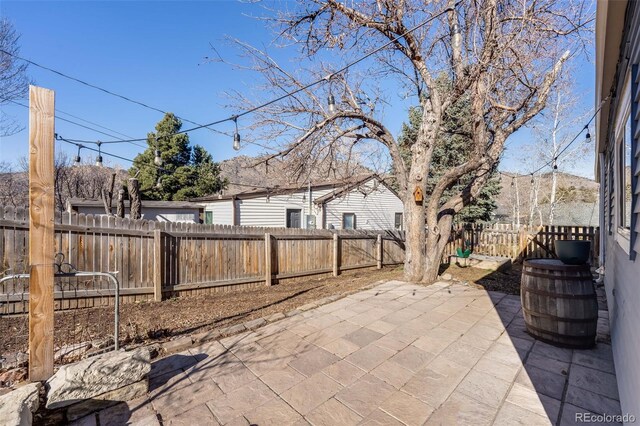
[[159, 183], [332, 103], [266, 104], [77, 161], [99, 157], [236, 135], [587, 137], [158, 159]]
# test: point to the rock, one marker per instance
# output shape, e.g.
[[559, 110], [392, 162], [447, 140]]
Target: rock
[[446, 277], [276, 317], [17, 407], [95, 376], [206, 336], [177, 345], [72, 350], [100, 402], [308, 306], [232, 329], [9, 378], [13, 360], [258, 322]]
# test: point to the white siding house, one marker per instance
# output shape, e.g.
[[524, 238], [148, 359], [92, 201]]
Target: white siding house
[[161, 211], [618, 170], [367, 204]]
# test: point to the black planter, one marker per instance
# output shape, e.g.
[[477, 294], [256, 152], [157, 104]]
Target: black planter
[[573, 252]]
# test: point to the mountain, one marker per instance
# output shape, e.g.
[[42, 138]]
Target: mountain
[[245, 172], [577, 199]]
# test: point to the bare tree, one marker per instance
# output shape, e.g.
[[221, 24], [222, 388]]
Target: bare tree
[[555, 130], [14, 82], [14, 186], [70, 181], [500, 56]]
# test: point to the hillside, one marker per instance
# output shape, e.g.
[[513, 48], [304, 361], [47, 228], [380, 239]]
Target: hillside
[[243, 173], [577, 199]]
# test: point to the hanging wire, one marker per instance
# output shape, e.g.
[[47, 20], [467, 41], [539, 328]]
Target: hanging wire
[[82, 125], [100, 151], [256, 108]]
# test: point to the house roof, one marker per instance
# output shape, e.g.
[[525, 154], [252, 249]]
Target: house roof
[[610, 22], [347, 188], [256, 192], [92, 202]]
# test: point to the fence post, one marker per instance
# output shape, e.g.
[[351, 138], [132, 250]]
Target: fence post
[[268, 259], [41, 233], [379, 251], [336, 255], [157, 265]]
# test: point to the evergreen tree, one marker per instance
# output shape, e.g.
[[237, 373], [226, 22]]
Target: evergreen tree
[[188, 172], [450, 151]]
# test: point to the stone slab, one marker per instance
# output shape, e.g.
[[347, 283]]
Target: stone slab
[[95, 376], [99, 402], [17, 407]]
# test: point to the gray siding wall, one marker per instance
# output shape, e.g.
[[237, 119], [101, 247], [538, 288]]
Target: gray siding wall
[[271, 212], [373, 211], [622, 266], [222, 211], [622, 283], [376, 210]]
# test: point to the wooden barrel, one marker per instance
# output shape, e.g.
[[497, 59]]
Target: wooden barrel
[[559, 302]]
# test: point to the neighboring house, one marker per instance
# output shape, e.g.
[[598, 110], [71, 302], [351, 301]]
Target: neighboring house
[[161, 211], [366, 203], [618, 169]]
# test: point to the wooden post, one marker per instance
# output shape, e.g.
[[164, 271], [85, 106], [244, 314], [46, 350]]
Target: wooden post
[[41, 237], [268, 276], [379, 251], [336, 255], [157, 265]]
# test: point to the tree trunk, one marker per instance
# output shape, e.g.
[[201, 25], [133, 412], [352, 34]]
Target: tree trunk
[[120, 204], [415, 239], [552, 198], [134, 195], [107, 195]]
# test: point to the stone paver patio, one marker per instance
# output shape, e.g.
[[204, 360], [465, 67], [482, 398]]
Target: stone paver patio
[[396, 354]]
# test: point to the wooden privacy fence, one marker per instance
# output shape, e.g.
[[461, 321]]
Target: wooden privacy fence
[[518, 243], [162, 259]]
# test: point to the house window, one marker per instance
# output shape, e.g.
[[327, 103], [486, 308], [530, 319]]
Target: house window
[[623, 168], [293, 218], [625, 177], [208, 218], [348, 221], [398, 221]]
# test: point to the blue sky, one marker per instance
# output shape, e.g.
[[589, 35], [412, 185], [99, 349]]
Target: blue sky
[[155, 52]]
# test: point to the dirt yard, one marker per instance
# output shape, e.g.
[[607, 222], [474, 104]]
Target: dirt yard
[[507, 282], [156, 321]]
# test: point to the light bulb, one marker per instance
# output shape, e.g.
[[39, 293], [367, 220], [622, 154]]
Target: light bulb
[[332, 104], [236, 141], [77, 161], [99, 161], [158, 159]]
